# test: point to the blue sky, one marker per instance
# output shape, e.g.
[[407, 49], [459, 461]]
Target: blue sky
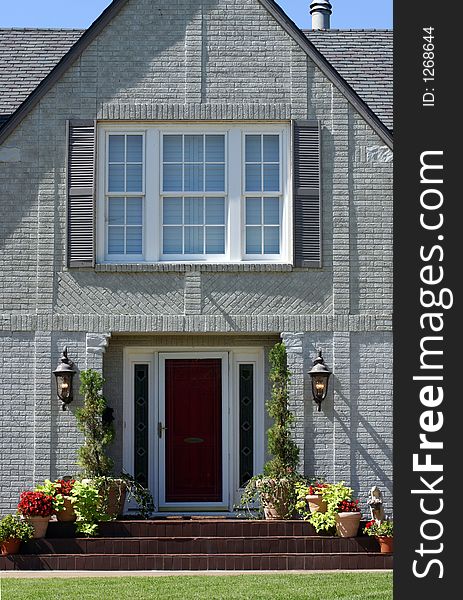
[[354, 14]]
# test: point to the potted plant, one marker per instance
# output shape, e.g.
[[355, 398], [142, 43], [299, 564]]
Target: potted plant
[[275, 488], [383, 531], [334, 495], [89, 506], [348, 517], [95, 421], [38, 508], [13, 531], [310, 496], [60, 490]]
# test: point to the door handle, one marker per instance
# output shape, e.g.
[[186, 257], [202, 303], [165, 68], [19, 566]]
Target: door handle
[[161, 428]]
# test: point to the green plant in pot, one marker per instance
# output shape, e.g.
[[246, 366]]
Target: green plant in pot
[[309, 497], [95, 421], [60, 490], [383, 531], [333, 494], [13, 531], [275, 488]]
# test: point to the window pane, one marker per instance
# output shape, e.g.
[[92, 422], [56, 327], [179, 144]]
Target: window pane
[[135, 148], [215, 240], [115, 240], [116, 178], [172, 240], [134, 178], [172, 178], [134, 240], [253, 148], [215, 148], [271, 178], [253, 240], [117, 148], [172, 148], [253, 211], [272, 211], [246, 422], [194, 211], [215, 178], [271, 148], [116, 211], [194, 240], [271, 240], [194, 178], [194, 148], [172, 211], [215, 211], [134, 211], [253, 178]]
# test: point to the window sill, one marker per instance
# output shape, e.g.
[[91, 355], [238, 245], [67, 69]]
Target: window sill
[[164, 267]]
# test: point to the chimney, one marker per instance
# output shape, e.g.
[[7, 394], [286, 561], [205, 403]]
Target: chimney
[[321, 12]]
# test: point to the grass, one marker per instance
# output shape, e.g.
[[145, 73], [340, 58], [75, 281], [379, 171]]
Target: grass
[[326, 586]]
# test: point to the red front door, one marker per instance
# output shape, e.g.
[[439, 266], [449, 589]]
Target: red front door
[[194, 430]]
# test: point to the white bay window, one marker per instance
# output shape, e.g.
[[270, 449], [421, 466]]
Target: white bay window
[[193, 193]]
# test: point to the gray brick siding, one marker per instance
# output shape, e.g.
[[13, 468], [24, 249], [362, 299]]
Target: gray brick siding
[[186, 60]]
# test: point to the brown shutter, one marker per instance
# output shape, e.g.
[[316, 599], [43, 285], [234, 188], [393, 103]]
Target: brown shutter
[[307, 210], [81, 194]]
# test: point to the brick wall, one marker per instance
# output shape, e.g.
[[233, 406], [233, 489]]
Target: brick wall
[[187, 60]]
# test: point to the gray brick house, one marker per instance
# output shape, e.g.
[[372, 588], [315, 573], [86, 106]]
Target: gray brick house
[[183, 185]]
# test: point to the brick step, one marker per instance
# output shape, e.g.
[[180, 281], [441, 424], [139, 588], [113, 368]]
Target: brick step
[[196, 562], [189, 528], [202, 545]]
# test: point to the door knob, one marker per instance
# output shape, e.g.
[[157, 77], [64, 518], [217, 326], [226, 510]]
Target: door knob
[[161, 428]]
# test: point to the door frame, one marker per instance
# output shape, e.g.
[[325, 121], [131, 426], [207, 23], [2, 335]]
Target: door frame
[[231, 358], [224, 357]]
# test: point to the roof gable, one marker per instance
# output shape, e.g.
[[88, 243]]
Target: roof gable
[[82, 43]]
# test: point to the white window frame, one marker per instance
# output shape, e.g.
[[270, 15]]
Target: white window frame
[[234, 191]]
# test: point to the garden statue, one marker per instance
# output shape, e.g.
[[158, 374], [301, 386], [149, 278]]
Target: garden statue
[[376, 504]]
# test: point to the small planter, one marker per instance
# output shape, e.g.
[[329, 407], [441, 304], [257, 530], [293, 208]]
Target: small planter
[[386, 544], [347, 524], [67, 515], [316, 503], [40, 525], [10, 547], [116, 498]]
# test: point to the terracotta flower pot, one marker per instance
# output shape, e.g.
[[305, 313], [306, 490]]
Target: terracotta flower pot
[[40, 525], [386, 544], [116, 499], [9, 547], [316, 503], [68, 514], [347, 524]]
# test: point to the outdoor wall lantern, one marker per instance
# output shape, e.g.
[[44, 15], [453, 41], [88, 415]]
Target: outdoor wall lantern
[[320, 375], [64, 373]]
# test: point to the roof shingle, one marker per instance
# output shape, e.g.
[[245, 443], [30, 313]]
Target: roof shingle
[[26, 57], [364, 58]]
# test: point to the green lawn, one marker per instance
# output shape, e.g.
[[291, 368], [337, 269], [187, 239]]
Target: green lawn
[[329, 586]]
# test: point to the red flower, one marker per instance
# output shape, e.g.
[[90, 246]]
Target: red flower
[[348, 506], [369, 524], [65, 486], [35, 504]]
